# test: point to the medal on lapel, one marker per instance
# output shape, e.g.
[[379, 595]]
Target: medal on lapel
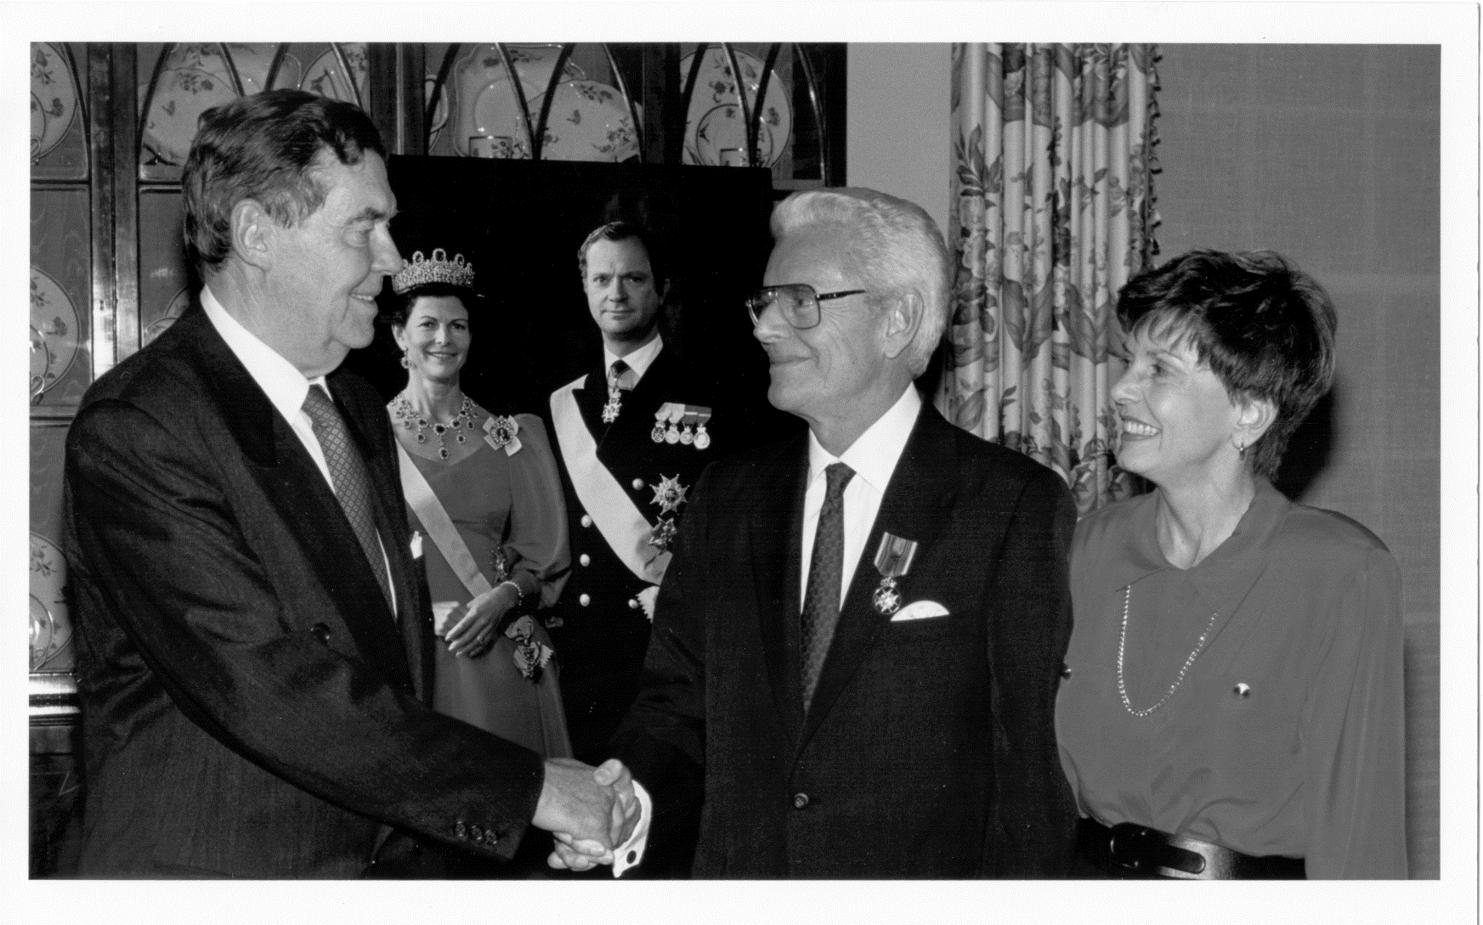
[[893, 560]]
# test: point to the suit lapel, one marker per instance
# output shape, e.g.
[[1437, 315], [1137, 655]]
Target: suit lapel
[[915, 506], [302, 501], [775, 534]]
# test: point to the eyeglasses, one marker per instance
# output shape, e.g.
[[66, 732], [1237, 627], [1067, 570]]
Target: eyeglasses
[[798, 303]]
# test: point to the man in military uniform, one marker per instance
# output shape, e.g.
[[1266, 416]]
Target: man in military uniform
[[633, 436]]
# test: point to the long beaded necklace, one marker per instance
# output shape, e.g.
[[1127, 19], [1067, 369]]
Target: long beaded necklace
[[402, 410], [1122, 641]]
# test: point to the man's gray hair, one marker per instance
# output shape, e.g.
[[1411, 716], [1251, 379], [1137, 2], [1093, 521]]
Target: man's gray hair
[[892, 245]]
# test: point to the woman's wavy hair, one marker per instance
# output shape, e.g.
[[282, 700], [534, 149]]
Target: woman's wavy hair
[[1263, 326]]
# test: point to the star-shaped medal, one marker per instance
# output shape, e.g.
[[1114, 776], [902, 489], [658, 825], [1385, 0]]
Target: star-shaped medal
[[669, 494]]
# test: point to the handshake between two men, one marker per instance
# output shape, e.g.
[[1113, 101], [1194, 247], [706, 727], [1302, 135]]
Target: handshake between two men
[[592, 812]]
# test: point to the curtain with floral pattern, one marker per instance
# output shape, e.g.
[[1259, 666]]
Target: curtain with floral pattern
[[1053, 211]]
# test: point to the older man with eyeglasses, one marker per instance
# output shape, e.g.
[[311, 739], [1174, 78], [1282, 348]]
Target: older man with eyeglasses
[[857, 646]]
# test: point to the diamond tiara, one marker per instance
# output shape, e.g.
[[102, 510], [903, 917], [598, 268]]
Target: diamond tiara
[[420, 271]]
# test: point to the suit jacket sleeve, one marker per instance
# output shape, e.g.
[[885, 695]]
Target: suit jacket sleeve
[[167, 553], [1033, 830], [662, 739]]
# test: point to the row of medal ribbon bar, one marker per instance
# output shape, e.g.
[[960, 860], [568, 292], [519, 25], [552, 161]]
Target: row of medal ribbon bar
[[675, 422]]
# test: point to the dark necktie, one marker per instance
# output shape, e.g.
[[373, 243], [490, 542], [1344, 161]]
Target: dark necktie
[[616, 377], [352, 484], [825, 571]]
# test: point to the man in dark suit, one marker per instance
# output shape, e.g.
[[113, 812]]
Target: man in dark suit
[[857, 645], [632, 441], [253, 625]]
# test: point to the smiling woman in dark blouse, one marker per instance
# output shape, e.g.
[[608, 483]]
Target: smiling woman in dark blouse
[[1232, 705]]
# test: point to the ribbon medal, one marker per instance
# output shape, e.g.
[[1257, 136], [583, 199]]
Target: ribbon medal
[[676, 422], [893, 560]]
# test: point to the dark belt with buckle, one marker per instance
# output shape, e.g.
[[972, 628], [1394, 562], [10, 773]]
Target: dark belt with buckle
[[1132, 851]]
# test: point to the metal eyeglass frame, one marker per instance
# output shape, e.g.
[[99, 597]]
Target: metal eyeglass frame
[[767, 296]]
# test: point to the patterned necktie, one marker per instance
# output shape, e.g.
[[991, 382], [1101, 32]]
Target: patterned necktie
[[825, 571], [352, 483]]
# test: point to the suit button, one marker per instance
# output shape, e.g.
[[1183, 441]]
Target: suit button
[[800, 800], [585, 600], [477, 832], [633, 603], [586, 520], [321, 632], [638, 484], [584, 559], [1065, 672], [460, 831]]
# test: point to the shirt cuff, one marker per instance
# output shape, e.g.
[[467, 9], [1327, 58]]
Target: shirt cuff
[[631, 852]]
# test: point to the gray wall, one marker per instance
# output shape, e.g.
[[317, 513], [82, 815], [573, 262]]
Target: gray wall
[[1330, 155]]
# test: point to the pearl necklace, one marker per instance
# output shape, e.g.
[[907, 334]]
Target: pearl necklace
[[401, 408], [1122, 641]]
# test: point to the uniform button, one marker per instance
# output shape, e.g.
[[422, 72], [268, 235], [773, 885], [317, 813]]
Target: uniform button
[[584, 559], [585, 600], [321, 632], [800, 800], [638, 484], [1065, 672], [586, 520], [477, 831], [460, 831]]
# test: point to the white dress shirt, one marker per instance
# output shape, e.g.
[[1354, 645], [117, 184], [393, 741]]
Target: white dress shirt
[[873, 456], [638, 361], [286, 389]]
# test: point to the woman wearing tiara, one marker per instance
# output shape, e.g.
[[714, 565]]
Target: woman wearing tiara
[[484, 494]]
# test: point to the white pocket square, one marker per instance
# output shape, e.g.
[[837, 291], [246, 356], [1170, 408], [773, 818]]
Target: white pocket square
[[416, 544], [919, 610]]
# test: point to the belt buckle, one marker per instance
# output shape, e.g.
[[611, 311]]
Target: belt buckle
[[1149, 852], [1127, 844]]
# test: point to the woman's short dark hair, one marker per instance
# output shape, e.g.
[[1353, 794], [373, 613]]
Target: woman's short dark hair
[[401, 303], [623, 231], [1263, 326], [263, 147]]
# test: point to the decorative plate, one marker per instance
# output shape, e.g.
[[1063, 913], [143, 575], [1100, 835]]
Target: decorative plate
[[252, 63], [327, 77], [194, 79], [495, 126], [181, 95], [440, 112], [51, 627], [53, 98], [721, 139], [178, 304], [54, 332], [715, 86], [483, 69], [588, 122]]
